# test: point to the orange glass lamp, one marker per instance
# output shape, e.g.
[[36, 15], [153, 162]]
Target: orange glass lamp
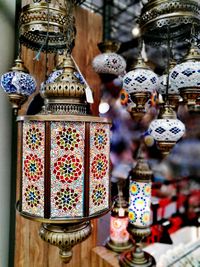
[[119, 239], [139, 215]]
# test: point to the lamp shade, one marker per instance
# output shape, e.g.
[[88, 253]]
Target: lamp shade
[[172, 90], [140, 79], [118, 232], [18, 83]]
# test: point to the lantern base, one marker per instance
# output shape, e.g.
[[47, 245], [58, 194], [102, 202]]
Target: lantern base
[[136, 258], [17, 100], [165, 147], [119, 247], [65, 236]]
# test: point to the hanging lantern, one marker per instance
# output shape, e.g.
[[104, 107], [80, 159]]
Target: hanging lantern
[[173, 92], [185, 77], [166, 130], [45, 25], [139, 214], [119, 240], [18, 84], [109, 62], [160, 16], [139, 83], [64, 155]]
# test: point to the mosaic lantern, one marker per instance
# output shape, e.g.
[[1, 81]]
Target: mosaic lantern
[[139, 214], [41, 18], [185, 77], [166, 130], [64, 163], [139, 83], [158, 17], [109, 62], [119, 240], [18, 84], [173, 95]]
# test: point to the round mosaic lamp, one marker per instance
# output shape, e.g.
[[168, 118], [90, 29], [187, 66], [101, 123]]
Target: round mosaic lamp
[[109, 62], [119, 239], [18, 84], [139, 83], [172, 95], [185, 77], [41, 20], [139, 214], [166, 130], [64, 163]]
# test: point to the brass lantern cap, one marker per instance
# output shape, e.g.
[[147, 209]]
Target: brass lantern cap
[[109, 46], [19, 65], [193, 54], [167, 112]]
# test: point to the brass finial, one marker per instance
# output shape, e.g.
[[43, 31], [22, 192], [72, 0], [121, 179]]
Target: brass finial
[[109, 46], [193, 54], [19, 65], [167, 112]]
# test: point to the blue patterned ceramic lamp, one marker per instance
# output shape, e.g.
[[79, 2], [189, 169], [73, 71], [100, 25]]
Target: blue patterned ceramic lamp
[[18, 84]]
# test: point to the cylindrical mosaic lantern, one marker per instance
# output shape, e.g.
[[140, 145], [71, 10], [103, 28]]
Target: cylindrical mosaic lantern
[[64, 163], [139, 214], [119, 239]]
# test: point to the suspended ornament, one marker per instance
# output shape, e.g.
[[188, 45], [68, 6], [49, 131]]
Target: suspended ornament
[[139, 83], [166, 130], [44, 25], [139, 214], [18, 84], [173, 92], [185, 77], [109, 62], [176, 15]]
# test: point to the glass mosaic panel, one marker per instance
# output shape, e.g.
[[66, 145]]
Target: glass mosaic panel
[[33, 168], [118, 232], [67, 169], [139, 203], [99, 167]]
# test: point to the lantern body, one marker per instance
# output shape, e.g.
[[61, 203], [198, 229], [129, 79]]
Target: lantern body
[[118, 232], [65, 167], [186, 75], [139, 203], [110, 63], [172, 90], [166, 129], [140, 80]]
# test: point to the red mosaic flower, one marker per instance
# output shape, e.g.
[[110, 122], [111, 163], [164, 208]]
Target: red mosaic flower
[[100, 138], [68, 139], [99, 166], [33, 167], [67, 168], [33, 138], [32, 196], [99, 194], [66, 199]]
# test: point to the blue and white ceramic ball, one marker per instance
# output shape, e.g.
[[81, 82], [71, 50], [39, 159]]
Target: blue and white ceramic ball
[[166, 130], [185, 75], [18, 82], [140, 80]]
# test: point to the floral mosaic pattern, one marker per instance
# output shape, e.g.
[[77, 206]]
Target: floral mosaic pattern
[[32, 195], [33, 138], [100, 138], [99, 167], [118, 232], [99, 194], [33, 168], [67, 169], [68, 139], [66, 199], [139, 203]]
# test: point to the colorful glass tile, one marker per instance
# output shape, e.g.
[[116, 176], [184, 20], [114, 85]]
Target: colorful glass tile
[[139, 203], [67, 169], [99, 167], [33, 168], [118, 232]]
